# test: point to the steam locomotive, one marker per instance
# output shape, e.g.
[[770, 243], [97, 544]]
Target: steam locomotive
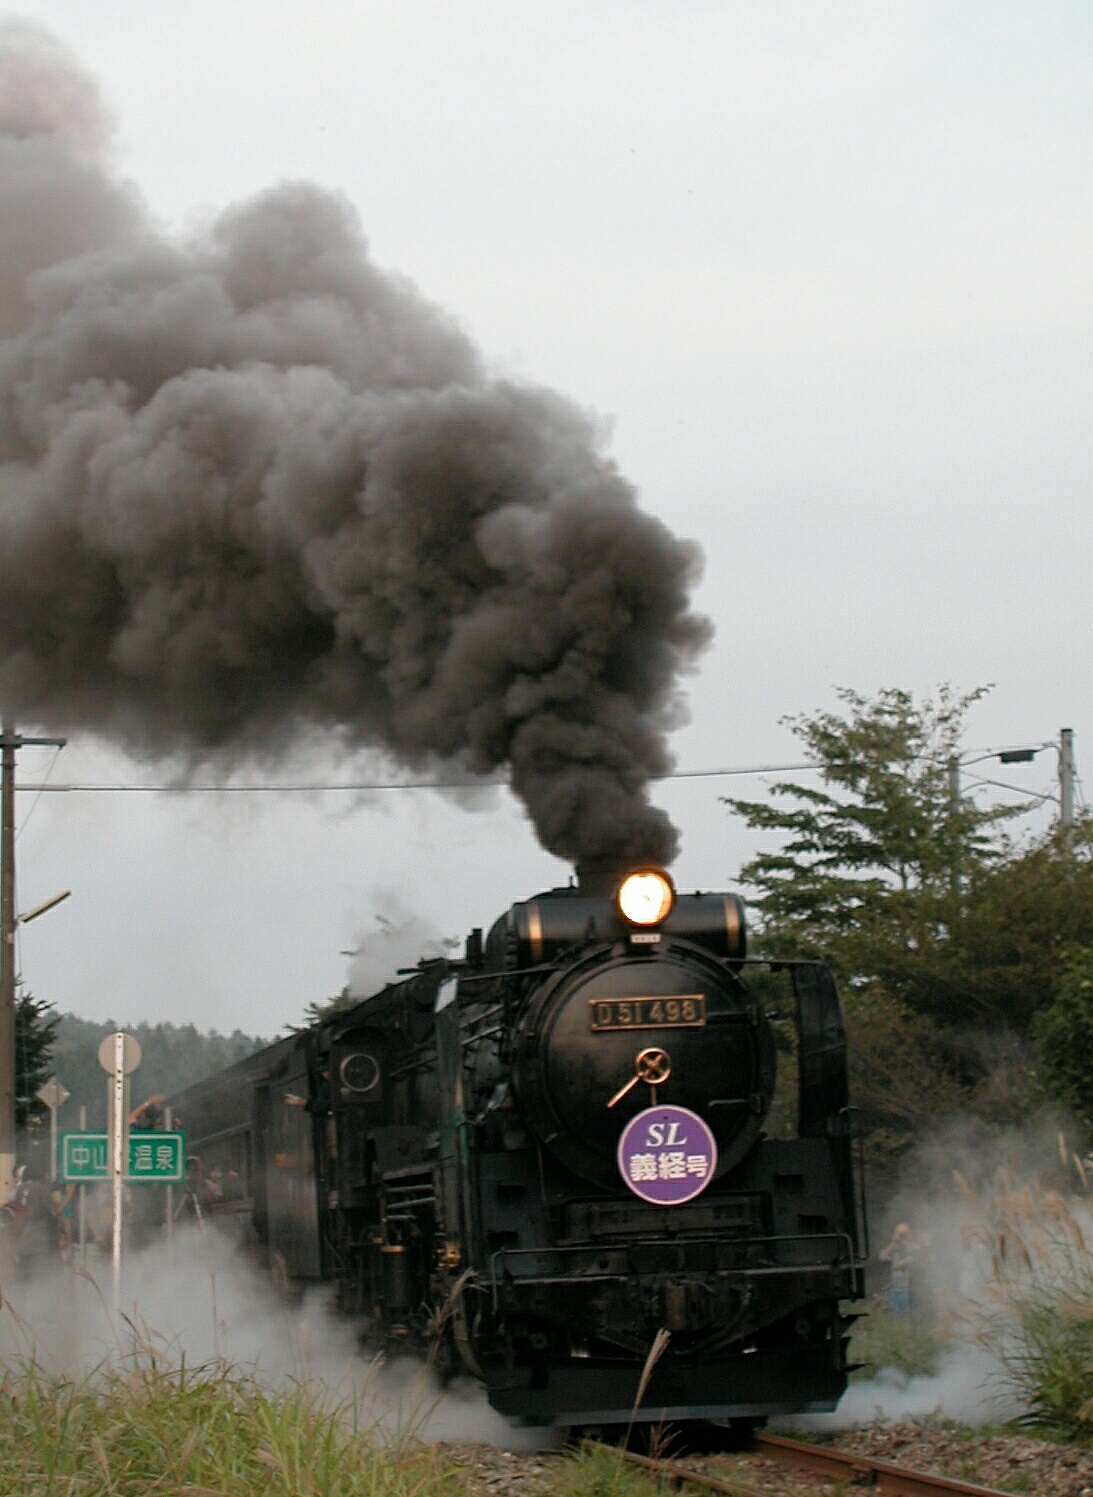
[[527, 1162]]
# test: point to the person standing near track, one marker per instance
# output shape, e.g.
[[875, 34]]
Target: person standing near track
[[900, 1254]]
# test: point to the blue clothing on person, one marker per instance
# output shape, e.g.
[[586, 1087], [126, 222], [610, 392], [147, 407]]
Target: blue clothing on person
[[899, 1254]]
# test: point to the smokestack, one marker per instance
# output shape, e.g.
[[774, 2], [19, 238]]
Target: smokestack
[[254, 486], [599, 878]]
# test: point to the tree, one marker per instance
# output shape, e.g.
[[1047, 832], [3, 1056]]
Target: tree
[[872, 873], [172, 1057], [317, 1009], [899, 1081], [872, 864], [948, 940], [1064, 1038], [36, 1024], [1019, 923]]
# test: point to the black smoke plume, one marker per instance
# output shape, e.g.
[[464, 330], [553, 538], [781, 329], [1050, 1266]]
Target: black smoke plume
[[254, 486]]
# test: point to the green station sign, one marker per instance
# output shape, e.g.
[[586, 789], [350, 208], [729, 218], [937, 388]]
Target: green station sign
[[154, 1158]]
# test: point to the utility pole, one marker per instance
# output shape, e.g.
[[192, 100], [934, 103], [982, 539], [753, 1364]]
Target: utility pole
[[1066, 779], [954, 810], [9, 742]]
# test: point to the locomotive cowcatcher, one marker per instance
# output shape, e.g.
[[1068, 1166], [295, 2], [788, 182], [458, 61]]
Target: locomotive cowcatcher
[[526, 1162]]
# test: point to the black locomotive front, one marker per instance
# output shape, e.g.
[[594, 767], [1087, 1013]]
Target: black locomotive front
[[641, 1017], [531, 1161], [640, 1027]]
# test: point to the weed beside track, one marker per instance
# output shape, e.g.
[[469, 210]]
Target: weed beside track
[[210, 1430], [216, 1431]]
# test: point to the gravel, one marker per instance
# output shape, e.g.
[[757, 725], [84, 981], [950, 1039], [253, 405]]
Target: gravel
[[1014, 1463], [488, 1472]]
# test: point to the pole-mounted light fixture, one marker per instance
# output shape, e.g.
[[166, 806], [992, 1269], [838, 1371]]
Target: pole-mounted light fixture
[[40, 909]]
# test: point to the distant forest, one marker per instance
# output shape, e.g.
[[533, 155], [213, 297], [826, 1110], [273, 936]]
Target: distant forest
[[171, 1058]]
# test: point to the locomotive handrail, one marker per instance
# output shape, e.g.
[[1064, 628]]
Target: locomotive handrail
[[844, 1260], [600, 1248], [861, 1211], [505, 973]]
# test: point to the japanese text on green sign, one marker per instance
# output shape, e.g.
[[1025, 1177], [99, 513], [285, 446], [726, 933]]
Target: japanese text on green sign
[[155, 1158]]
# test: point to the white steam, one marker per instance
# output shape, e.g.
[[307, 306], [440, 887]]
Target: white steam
[[399, 940], [199, 1300], [963, 1193], [967, 1388]]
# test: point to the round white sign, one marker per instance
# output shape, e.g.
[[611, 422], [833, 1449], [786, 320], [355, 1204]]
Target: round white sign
[[130, 1054]]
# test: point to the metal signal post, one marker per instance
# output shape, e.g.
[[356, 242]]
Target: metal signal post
[[9, 742], [119, 1056]]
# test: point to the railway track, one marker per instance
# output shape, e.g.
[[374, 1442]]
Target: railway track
[[836, 1465]]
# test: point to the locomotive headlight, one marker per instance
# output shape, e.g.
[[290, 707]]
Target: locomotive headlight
[[646, 897]]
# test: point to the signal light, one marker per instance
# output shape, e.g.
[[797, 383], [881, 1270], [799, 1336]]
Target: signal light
[[646, 897]]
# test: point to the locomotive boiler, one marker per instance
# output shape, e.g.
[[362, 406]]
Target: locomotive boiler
[[527, 1162]]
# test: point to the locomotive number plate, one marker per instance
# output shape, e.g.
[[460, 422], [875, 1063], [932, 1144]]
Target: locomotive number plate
[[686, 1011]]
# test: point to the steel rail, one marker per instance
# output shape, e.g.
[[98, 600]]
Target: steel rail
[[882, 1476], [681, 1475], [837, 1465]]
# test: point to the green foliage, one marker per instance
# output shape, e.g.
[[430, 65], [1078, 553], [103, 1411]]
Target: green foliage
[[210, 1430], [1017, 927], [1036, 1311], [36, 1024], [600, 1472], [898, 1080], [871, 874], [172, 1057], [947, 940], [148, 1426], [1064, 1038], [316, 1010], [870, 868], [1049, 1356]]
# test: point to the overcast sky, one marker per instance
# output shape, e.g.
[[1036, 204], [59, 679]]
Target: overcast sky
[[822, 270]]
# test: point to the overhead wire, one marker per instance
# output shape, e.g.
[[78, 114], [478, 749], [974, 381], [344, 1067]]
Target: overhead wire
[[1038, 797], [367, 787], [41, 789], [361, 786]]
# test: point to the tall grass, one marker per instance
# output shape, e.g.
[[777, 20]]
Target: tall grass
[[96, 1403], [212, 1430], [597, 1471], [1034, 1310]]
